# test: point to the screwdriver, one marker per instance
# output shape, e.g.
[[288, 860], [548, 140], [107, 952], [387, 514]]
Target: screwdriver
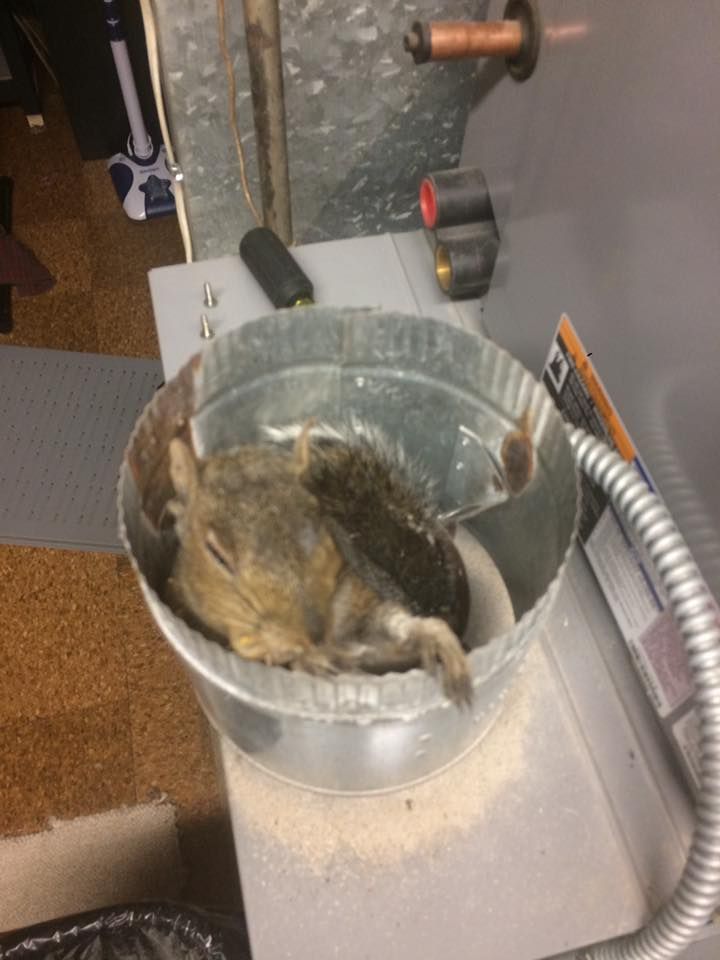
[[275, 268]]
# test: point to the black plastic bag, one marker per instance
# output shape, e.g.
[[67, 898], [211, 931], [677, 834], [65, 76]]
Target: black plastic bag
[[146, 931]]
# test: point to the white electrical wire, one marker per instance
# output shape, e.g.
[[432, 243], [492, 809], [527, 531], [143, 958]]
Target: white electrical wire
[[148, 15], [232, 112]]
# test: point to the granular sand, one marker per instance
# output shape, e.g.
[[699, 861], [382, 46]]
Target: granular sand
[[384, 828]]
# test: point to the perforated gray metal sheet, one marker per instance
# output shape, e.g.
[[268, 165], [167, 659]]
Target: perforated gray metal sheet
[[64, 421]]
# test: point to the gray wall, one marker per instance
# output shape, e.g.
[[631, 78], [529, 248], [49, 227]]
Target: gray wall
[[604, 172], [363, 122]]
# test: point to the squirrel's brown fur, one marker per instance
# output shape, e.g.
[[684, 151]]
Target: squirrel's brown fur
[[307, 558]]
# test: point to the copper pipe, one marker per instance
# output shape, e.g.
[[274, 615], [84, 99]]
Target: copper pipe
[[262, 34], [456, 41], [460, 40]]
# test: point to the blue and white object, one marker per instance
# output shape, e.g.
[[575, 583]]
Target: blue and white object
[[141, 174]]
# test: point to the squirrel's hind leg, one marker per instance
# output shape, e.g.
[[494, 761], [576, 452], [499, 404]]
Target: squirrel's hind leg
[[435, 645], [439, 646]]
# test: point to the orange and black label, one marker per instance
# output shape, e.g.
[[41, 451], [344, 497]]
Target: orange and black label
[[575, 387]]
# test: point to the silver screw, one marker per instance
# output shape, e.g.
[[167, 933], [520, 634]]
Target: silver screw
[[209, 299], [206, 331], [175, 171]]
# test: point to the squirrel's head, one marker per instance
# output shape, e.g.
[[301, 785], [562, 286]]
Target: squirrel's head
[[254, 552]]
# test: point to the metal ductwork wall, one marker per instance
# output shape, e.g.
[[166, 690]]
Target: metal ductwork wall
[[363, 123]]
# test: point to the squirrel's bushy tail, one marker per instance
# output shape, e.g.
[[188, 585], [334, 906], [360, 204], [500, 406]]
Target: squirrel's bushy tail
[[367, 485]]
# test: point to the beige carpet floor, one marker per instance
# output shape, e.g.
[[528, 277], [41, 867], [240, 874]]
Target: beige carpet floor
[[95, 714]]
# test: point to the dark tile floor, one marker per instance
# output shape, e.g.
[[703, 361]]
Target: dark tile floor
[[95, 712]]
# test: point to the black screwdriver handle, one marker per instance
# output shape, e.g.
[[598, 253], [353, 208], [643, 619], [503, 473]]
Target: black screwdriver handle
[[275, 268]]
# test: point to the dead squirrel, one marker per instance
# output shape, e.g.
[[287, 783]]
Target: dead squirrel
[[307, 558]]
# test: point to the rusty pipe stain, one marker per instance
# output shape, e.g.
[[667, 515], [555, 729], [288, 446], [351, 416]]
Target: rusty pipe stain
[[262, 35], [458, 40]]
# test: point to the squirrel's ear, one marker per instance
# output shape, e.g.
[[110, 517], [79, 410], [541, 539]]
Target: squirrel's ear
[[183, 469], [301, 449]]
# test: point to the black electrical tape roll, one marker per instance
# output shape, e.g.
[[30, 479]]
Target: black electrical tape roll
[[275, 269], [464, 265], [450, 198]]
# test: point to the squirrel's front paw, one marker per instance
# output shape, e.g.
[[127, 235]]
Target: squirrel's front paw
[[268, 645], [315, 661], [251, 647]]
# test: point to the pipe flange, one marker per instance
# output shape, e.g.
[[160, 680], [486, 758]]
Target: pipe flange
[[520, 67]]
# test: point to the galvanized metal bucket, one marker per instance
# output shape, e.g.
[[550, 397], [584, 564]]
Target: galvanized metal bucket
[[433, 387]]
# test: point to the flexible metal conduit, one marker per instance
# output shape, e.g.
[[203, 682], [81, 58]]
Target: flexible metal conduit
[[697, 894]]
